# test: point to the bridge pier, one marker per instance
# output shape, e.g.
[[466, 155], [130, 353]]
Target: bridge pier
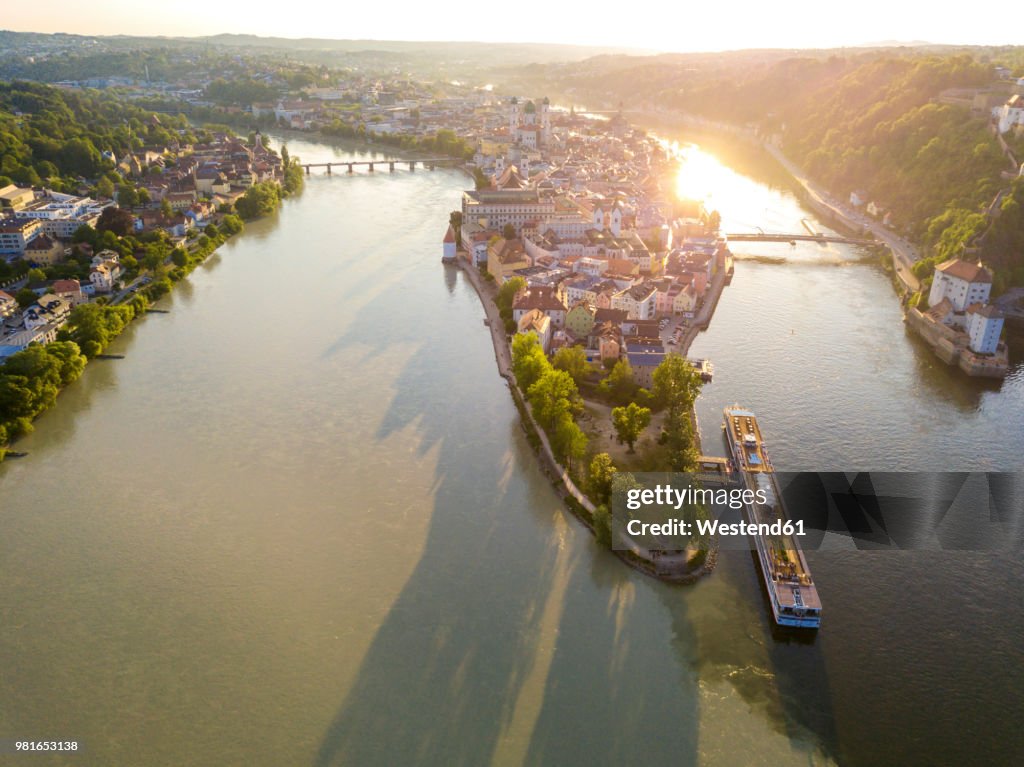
[[431, 166], [412, 165], [307, 170], [391, 167], [350, 167], [371, 167], [328, 169]]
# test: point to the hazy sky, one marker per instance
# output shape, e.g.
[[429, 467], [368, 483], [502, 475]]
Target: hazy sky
[[659, 24]]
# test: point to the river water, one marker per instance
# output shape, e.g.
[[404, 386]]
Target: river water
[[299, 525]]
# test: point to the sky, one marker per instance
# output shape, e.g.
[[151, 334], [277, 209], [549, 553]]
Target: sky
[[653, 25]]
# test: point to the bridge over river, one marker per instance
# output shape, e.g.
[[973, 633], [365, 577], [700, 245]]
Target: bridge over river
[[764, 237], [427, 162]]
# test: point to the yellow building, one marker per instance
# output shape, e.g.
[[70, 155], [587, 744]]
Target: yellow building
[[504, 257]]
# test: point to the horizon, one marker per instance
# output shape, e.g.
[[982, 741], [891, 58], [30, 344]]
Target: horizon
[[707, 30]]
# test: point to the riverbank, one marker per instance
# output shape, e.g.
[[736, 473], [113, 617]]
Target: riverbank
[[133, 301]]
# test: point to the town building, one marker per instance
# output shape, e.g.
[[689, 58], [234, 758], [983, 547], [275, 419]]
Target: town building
[[962, 282], [984, 326]]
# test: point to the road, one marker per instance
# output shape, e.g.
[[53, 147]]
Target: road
[[904, 253]]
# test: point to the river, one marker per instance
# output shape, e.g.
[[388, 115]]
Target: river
[[299, 524]]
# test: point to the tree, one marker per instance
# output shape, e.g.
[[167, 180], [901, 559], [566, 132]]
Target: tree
[[676, 387], [528, 360], [603, 525], [455, 219], [127, 197], [259, 200], [105, 188], [568, 441], [619, 385], [116, 221], [165, 208], [553, 396], [629, 421], [506, 296], [231, 224], [508, 232], [602, 472], [573, 360], [480, 179], [143, 195], [676, 383], [36, 275], [25, 298]]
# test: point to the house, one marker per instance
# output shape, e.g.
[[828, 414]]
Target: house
[[544, 299], [685, 301], [638, 301], [644, 357], [984, 325], [962, 282], [607, 338], [70, 291], [14, 197], [44, 251], [49, 309], [17, 233], [579, 320], [1010, 114], [106, 271], [538, 323], [504, 257]]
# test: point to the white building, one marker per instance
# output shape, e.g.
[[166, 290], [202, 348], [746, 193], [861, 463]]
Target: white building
[[498, 207], [48, 310], [962, 282], [1010, 114], [984, 325], [61, 214], [640, 301], [448, 245]]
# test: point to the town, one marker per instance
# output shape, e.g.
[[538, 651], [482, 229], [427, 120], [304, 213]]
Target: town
[[181, 190]]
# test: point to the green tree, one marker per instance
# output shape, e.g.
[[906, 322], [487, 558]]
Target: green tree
[[676, 383], [455, 219], [259, 200], [603, 525], [25, 298], [127, 197], [553, 396], [573, 360], [508, 232], [165, 208], [528, 360], [105, 188], [602, 472], [568, 442], [629, 422], [619, 385], [506, 296], [231, 224]]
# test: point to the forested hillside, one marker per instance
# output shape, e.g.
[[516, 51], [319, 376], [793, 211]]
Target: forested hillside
[[51, 136]]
